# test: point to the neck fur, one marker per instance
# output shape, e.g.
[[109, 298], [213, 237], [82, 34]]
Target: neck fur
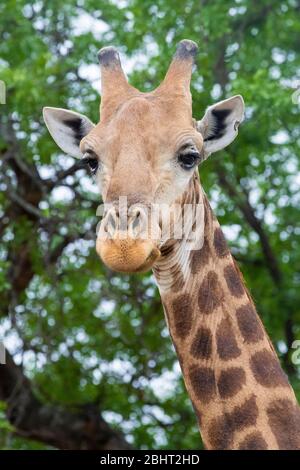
[[240, 394]]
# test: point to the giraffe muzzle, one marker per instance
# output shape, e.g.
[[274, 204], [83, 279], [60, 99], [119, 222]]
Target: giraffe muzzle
[[124, 243], [128, 255]]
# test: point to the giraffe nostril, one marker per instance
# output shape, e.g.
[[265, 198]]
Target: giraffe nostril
[[127, 223], [111, 222], [137, 220]]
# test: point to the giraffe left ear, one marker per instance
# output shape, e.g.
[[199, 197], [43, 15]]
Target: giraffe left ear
[[219, 126]]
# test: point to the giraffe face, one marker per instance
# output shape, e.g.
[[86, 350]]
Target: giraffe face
[[147, 150], [146, 154], [143, 152]]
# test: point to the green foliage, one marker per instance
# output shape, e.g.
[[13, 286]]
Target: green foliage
[[88, 335]]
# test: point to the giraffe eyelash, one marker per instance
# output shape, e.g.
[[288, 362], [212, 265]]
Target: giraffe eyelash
[[92, 161]]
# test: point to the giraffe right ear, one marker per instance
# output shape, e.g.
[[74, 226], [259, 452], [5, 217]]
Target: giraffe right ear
[[67, 128]]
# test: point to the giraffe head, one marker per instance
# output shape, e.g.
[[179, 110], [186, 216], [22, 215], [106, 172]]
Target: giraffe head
[[145, 150]]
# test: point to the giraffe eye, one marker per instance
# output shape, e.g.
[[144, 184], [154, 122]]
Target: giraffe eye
[[91, 161], [188, 160]]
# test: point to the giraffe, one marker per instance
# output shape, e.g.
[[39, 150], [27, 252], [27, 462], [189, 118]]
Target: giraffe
[[147, 147]]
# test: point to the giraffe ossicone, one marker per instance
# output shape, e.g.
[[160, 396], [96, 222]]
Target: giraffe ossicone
[[146, 148]]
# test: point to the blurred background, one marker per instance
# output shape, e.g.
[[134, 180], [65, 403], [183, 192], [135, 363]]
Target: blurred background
[[89, 361]]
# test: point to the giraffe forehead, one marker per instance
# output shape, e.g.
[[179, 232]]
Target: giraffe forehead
[[145, 121]]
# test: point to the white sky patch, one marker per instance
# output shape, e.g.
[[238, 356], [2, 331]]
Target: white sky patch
[[249, 110], [234, 11], [80, 246], [282, 347], [292, 167], [62, 193], [82, 337], [281, 137], [163, 386], [254, 196], [88, 184], [157, 413], [112, 417], [231, 232], [141, 59], [214, 197], [14, 345], [11, 339], [4, 63], [86, 23], [216, 91], [278, 56], [120, 3], [270, 218], [65, 161], [275, 72], [120, 367], [105, 309], [91, 73], [46, 171]]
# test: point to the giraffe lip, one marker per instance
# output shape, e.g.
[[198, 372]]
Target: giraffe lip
[[129, 255]]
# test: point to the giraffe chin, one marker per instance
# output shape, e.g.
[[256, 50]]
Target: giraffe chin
[[128, 255]]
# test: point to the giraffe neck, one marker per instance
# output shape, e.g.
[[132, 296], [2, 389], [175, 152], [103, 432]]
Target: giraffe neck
[[240, 394]]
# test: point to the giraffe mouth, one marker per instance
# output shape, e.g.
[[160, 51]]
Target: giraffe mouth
[[149, 261], [129, 255]]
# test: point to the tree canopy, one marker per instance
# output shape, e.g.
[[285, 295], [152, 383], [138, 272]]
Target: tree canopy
[[89, 360]]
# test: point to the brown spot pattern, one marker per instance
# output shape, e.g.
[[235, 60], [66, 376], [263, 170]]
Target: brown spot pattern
[[201, 347], [231, 381], [203, 382], [234, 281], [220, 433], [244, 415], [222, 429], [266, 369], [253, 441], [210, 293], [227, 346], [220, 243], [284, 421], [199, 258], [182, 312], [249, 325]]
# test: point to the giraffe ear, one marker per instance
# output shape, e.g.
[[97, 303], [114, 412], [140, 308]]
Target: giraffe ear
[[219, 126], [67, 128]]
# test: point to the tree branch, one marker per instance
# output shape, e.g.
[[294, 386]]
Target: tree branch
[[81, 428]]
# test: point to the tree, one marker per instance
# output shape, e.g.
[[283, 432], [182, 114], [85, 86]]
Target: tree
[[90, 362]]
